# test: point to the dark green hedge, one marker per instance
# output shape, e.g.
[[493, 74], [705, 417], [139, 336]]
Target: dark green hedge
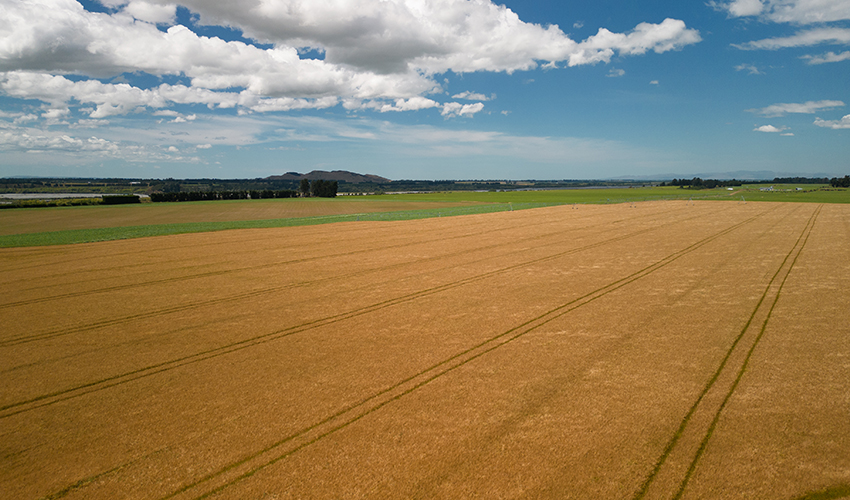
[[120, 199]]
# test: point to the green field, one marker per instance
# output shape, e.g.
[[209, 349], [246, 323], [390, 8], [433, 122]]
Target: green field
[[69, 225], [782, 192]]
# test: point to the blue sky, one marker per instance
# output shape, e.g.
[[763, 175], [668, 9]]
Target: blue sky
[[424, 89]]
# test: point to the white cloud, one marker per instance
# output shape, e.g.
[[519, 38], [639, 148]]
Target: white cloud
[[24, 118], [104, 45], [371, 39], [456, 109], [829, 57], [384, 54], [769, 129], [157, 14], [412, 104], [473, 96], [671, 34], [740, 8], [809, 107], [57, 90], [32, 140], [788, 11], [433, 36], [802, 39], [653, 82], [184, 119], [748, 67], [615, 73], [204, 146], [89, 124], [843, 123]]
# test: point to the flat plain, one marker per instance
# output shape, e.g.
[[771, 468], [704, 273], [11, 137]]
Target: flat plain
[[663, 349]]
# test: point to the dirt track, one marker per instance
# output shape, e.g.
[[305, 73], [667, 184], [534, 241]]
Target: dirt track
[[601, 352]]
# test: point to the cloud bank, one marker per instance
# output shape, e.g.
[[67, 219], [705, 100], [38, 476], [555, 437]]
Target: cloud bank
[[374, 54], [788, 11]]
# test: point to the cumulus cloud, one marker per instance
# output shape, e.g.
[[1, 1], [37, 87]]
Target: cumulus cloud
[[151, 13], [412, 104], [433, 36], [379, 55], [788, 11], [843, 123], [614, 73], [456, 109], [829, 57], [671, 34], [770, 129], [809, 107]]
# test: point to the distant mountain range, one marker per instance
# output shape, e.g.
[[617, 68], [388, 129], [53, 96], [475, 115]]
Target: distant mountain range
[[336, 175]]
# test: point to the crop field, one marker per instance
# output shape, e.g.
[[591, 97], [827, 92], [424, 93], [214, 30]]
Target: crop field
[[17, 221], [657, 350], [86, 224]]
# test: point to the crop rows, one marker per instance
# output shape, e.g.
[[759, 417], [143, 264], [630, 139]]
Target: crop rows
[[555, 352]]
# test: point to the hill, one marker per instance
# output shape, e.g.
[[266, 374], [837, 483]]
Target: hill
[[336, 175]]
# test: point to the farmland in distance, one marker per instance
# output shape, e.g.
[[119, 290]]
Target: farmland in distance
[[662, 349]]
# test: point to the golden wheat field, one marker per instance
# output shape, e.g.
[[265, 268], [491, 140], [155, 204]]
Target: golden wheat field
[[658, 350]]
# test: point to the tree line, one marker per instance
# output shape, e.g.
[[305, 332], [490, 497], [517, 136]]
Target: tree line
[[840, 182], [697, 183], [222, 195], [317, 188]]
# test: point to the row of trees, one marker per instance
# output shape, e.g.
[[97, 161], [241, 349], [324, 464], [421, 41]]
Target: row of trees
[[222, 195], [698, 183], [840, 182], [319, 188]]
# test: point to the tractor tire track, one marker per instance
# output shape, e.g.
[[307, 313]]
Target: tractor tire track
[[11, 409], [662, 481], [291, 444], [740, 374], [257, 293], [246, 268]]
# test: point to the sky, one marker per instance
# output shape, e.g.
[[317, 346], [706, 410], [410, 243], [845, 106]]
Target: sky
[[424, 89]]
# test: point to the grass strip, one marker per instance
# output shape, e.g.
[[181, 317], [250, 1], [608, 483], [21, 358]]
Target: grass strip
[[75, 236]]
